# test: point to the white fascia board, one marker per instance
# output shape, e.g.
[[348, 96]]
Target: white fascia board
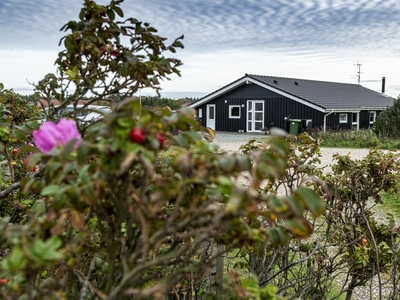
[[374, 108], [343, 110], [219, 92], [245, 80]]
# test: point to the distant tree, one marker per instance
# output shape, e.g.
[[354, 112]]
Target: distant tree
[[154, 102], [387, 123]]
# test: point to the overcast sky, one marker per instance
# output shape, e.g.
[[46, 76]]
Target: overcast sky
[[224, 39]]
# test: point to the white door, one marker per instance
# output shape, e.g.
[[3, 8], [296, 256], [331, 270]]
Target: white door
[[211, 116], [255, 115]]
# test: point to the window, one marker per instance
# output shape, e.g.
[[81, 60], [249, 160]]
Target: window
[[343, 118], [200, 112], [234, 111], [372, 117]]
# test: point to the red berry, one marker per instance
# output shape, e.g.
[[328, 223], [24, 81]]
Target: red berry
[[161, 138], [137, 135], [3, 281], [14, 151]]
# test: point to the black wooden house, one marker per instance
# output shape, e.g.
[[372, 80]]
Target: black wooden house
[[255, 103]]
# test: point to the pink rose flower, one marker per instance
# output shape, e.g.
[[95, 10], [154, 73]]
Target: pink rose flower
[[51, 135]]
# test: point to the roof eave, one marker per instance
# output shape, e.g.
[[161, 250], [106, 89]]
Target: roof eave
[[248, 79], [218, 92]]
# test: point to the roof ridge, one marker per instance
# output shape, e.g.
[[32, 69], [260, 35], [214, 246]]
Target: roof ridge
[[291, 78]]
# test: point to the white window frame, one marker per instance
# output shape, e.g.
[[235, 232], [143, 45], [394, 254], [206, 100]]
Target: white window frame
[[200, 112], [374, 118], [345, 119], [355, 125], [230, 112]]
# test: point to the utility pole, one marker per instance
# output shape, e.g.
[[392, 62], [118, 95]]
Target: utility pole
[[358, 64]]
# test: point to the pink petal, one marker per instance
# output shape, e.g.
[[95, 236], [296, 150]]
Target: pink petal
[[46, 137], [50, 135], [68, 131]]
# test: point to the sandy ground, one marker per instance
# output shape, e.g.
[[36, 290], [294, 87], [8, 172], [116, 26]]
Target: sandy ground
[[232, 141]]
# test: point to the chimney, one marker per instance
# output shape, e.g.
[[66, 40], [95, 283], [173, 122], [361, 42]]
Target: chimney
[[383, 84]]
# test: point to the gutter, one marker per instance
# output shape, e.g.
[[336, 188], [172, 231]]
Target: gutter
[[325, 119]]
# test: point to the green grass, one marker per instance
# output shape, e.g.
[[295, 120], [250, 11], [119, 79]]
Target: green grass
[[391, 204], [364, 138]]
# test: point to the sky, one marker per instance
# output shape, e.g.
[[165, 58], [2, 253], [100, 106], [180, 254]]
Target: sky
[[224, 39]]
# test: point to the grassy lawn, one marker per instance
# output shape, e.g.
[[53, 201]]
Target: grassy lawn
[[391, 204], [364, 138]]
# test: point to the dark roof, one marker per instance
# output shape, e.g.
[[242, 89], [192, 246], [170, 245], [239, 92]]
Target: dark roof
[[326, 95]]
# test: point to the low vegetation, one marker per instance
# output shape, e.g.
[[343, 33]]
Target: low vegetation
[[363, 138]]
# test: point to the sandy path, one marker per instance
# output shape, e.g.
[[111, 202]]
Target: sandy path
[[232, 141]]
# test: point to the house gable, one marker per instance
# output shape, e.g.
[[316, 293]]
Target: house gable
[[251, 81]]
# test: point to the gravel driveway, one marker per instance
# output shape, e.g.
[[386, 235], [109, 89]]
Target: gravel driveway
[[232, 141]]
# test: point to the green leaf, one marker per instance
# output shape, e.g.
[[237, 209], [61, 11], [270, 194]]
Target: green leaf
[[276, 204], [227, 163], [111, 14], [68, 148], [50, 190], [125, 122], [1, 86], [69, 43], [15, 261], [310, 199], [83, 176], [46, 251], [36, 96], [19, 135], [296, 207], [82, 153], [118, 11], [53, 168], [181, 140], [277, 236], [298, 227], [34, 159], [192, 136], [73, 74]]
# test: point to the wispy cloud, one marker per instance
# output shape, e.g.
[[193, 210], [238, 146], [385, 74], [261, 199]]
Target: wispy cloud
[[298, 35]]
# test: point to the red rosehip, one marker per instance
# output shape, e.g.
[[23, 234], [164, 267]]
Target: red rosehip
[[137, 135], [161, 138], [14, 151], [3, 281]]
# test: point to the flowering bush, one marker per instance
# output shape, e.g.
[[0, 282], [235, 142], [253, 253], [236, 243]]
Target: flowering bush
[[128, 215]]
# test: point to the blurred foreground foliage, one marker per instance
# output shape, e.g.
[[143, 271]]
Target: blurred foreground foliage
[[119, 218], [147, 217]]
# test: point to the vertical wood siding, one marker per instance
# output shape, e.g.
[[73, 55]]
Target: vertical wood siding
[[276, 109]]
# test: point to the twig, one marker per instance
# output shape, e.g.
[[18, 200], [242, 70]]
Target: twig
[[10, 189], [86, 281], [16, 185]]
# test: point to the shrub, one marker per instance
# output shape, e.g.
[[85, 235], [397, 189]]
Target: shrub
[[387, 123], [127, 212]]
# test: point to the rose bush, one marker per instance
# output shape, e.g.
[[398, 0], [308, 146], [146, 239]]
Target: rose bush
[[117, 215]]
